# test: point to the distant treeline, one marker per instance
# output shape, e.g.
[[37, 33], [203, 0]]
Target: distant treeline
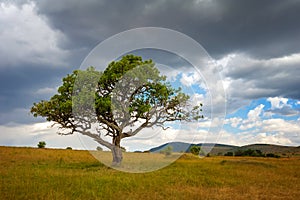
[[251, 152]]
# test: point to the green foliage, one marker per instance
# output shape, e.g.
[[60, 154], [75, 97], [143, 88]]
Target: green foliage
[[41, 144], [229, 153], [249, 152], [195, 149], [272, 155], [126, 93], [99, 148], [167, 151], [69, 148], [59, 108], [146, 87]]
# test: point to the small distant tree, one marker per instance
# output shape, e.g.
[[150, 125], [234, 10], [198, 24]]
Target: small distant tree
[[195, 149], [272, 155], [69, 148], [167, 151], [41, 144], [99, 148], [257, 153], [239, 153], [229, 153]]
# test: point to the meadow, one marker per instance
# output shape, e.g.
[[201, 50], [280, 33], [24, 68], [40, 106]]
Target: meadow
[[30, 173]]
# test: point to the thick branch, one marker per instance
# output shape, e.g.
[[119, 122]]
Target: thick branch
[[159, 117], [150, 114], [112, 125], [97, 138]]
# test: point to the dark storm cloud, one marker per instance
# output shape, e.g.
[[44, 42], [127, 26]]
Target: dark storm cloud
[[86, 23], [21, 87], [253, 79], [261, 28]]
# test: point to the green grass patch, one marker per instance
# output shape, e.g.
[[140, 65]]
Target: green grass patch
[[29, 173]]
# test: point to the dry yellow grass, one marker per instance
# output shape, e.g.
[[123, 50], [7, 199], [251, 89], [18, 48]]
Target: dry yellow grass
[[137, 162], [27, 173]]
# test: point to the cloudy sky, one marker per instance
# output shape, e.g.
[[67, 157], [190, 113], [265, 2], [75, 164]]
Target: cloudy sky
[[256, 43]]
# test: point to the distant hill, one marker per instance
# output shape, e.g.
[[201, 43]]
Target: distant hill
[[185, 147], [221, 149], [271, 148], [177, 147]]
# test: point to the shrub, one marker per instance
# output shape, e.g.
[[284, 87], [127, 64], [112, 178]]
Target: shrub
[[229, 153], [249, 152], [272, 155], [99, 148], [195, 150], [239, 153], [70, 148], [167, 151], [41, 144]]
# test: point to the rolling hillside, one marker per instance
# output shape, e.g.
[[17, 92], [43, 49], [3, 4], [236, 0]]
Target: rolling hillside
[[221, 149]]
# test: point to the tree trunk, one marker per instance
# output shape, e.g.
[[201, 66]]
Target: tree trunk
[[114, 146], [117, 156], [116, 151]]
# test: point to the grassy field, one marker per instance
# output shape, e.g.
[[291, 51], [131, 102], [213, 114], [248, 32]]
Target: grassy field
[[27, 173]]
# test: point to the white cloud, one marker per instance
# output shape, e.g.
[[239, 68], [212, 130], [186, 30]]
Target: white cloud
[[234, 121], [281, 125], [248, 78], [253, 119], [190, 78], [224, 61], [169, 72], [277, 138], [280, 106], [46, 91], [27, 38], [252, 137], [277, 102], [254, 115], [254, 129], [196, 99], [247, 125], [272, 131], [31, 134]]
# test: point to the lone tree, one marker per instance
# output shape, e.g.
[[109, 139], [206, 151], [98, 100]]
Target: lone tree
[[195, 149], [41, 144], [127, 97]]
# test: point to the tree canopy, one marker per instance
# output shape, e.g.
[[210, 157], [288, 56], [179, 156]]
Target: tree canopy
[[128, 96]]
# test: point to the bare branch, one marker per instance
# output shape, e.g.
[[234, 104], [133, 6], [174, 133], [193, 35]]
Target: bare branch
[[97, 138]]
